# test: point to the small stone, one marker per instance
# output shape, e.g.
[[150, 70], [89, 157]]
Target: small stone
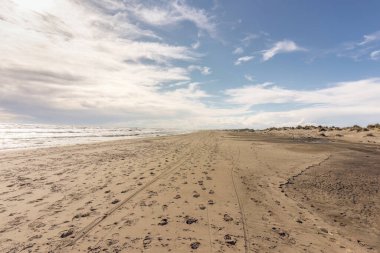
[[227, 217], [147, 241], [67, 233], [202, 207], [280, 232], [163, 222], [211, 202], [115, 201], [195, 245], [230, 239], [190, 220], [324, 230]]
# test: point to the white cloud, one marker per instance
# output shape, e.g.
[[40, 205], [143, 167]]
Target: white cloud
[[246, 41], [203, 69], [343, 103], [375, 55], [192, 91], [101, 64], [284, 46], [317, 115], [6, 117], [243, 59], [365, 49], [248, 77], [369, 38], [364, 92], [171, 13], [90, 66], [196, 45], [238, 50]]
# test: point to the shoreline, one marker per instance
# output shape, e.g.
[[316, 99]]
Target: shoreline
[[91, 142]]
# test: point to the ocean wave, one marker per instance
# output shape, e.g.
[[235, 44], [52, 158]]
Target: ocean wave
[[21, 136]]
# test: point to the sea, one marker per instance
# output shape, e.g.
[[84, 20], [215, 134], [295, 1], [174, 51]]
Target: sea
[[26, 136]]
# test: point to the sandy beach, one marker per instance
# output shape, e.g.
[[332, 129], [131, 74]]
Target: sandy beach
[[210, 191]]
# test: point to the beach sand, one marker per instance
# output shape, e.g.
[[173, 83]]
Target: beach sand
[[210, 191]]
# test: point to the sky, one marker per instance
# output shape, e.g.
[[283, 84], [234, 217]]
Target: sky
[[190, 63]]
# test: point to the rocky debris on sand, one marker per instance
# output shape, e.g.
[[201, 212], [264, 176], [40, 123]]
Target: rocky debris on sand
[[211, 202], [146, 242], [115, 201], [163, 222], [81, 215], [227, 217], [195, 245], [229, 239], [280, 232], [190, 220], [67, 233]]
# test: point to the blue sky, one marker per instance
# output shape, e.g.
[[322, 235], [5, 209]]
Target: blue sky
[[190, 64]]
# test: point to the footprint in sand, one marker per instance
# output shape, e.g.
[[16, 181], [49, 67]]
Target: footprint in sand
[[196, 194]]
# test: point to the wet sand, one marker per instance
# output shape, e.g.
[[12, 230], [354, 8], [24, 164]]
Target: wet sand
[[211, 191]]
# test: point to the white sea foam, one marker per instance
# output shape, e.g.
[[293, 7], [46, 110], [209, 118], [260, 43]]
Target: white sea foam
[[21, 136]]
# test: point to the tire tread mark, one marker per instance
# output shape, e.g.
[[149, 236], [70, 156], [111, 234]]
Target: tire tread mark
[[234, 166], [83, 232]]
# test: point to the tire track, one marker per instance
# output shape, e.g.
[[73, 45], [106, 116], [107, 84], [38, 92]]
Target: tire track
[[87, 229], [234, 166]]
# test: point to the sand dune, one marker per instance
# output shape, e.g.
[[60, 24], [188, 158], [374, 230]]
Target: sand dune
[[211, 191]]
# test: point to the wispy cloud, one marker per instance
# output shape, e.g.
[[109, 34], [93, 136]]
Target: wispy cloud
[[202, 69], [171, 13], [196, 45], [369, 38], [284, 46], [342, 103], [349, 93], [364, 49], [95, 64], [375, 55], [108, 61], [238, 50], [249, 77], [244, 59], [246, 41], [5, 116]]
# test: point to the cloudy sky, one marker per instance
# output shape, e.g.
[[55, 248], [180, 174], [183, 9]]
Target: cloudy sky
[[190, 64]]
